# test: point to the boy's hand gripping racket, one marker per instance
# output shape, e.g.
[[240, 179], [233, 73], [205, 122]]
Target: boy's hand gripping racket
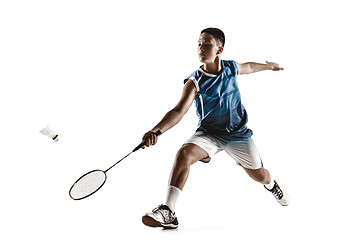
[[92, 181]]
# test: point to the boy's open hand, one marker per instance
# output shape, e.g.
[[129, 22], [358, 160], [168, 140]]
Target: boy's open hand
[[273, 66]]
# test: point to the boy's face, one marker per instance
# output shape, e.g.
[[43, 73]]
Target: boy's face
[[208, 49]]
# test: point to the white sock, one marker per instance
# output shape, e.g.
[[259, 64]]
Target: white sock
[[173, 194], [270, 185]]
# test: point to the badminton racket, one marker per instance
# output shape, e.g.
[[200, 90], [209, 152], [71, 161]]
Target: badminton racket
[[92, 181]]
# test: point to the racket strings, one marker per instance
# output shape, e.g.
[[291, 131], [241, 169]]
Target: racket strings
[[88, 184]]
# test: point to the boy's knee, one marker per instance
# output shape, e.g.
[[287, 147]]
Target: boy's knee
[[183, 155]]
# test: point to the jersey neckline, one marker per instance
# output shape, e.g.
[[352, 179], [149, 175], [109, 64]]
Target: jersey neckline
[[210, 74]]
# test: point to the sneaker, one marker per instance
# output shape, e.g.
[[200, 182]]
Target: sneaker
[[279, 194], [161, 216]]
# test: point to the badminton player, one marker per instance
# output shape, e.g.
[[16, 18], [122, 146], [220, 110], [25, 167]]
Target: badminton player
[[222, 125]]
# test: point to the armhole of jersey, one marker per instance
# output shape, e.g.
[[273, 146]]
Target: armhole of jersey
[[195, 82], [193, 79], [237, 68]]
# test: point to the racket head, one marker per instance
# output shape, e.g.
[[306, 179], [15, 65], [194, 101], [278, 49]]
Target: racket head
[[88, 184]]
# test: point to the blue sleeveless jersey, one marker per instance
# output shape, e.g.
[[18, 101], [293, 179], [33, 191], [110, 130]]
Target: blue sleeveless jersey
[[218, 103]]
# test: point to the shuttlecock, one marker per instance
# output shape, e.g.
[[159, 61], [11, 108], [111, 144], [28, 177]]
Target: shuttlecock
[[50, 133]]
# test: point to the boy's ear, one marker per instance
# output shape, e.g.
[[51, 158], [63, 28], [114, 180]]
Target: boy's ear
[[220, 50]]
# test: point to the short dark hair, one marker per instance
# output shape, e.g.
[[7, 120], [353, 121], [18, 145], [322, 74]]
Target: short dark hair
[[217, 34]]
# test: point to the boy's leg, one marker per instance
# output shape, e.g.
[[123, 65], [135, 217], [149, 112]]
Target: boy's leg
[[164, 215], [245, 153], [262, 175], [185, 157]]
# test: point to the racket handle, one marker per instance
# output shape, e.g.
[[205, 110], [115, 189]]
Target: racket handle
[[157, 133]]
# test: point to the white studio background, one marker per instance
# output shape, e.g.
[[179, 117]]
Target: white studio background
[[102, 73]]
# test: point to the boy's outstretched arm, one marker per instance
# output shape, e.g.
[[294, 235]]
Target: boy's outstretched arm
[[252, 67], [174, 115]]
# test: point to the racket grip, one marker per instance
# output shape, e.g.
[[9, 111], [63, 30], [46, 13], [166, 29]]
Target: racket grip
[[157, 133]]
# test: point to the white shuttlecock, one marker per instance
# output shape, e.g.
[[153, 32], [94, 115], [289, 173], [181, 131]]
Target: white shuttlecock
[[50, 133]]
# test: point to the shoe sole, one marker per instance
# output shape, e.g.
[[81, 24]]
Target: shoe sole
[[150, 222], [205, 160]]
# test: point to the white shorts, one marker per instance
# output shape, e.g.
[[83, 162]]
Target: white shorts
[[243, 151]]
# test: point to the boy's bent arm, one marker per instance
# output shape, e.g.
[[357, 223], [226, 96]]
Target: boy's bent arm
[[172, 117], [252, 67], [175, 115]]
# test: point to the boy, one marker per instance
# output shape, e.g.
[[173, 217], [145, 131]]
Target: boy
[[222, 125]]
